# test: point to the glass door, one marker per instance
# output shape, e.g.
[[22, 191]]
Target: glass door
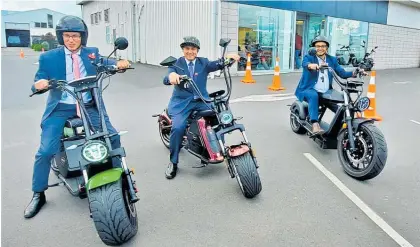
[[316, 25]]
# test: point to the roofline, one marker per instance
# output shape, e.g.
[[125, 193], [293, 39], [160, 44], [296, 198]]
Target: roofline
[[83, 2], [25, 11]]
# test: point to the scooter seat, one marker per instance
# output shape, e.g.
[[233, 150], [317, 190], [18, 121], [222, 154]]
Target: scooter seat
[[205, 113], [333, 96], [74, 123]]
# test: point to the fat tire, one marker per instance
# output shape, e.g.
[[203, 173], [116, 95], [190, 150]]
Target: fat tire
[[380, 153], [247, 174], [114, 224]]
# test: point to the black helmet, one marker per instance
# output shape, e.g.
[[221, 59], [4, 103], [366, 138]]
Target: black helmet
[[191, 41], [320, 39], [71, 23]]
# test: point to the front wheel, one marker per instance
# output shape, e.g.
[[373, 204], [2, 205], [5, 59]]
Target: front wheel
[[246, 174], [371, 152], [114, 216]]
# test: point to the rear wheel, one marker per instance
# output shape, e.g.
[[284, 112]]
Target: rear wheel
[[246, 174], [114, 216], [164, 132], [370, 157], [294, 123]]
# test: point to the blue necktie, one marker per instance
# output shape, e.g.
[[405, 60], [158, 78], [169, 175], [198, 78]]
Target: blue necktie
[[191, 69]]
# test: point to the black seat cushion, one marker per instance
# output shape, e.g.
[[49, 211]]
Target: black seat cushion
[[74, 123], [333, 96], [205, 113]]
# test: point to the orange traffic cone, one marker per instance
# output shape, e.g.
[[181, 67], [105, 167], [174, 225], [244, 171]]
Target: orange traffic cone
[[371, 111], [276, 86], [248, 75], [21, 53]]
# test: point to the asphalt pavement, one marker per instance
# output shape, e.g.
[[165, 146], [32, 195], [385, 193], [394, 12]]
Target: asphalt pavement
[[300, 205]]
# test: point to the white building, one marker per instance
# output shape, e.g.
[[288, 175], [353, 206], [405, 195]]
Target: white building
[[20, 28], [266, 29]]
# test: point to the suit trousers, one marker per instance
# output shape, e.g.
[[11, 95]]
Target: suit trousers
[[52, 131]]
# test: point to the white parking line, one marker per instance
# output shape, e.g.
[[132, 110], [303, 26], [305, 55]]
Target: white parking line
[[415, 121], [356, 200]]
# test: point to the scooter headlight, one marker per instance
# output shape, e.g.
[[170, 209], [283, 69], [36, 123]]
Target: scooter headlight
[[95, 151], [363, 104], [226, 117]]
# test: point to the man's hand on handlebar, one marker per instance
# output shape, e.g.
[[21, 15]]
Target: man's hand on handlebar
[[174, 78], [313, 66], [123, 64], [359, 71], [234, 56], [41, 84]]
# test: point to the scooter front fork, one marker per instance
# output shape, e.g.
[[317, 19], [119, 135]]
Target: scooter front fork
[[130, 183], [349, 126]]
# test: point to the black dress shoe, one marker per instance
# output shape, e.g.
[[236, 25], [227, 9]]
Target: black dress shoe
[[38, 200], [171, 171]]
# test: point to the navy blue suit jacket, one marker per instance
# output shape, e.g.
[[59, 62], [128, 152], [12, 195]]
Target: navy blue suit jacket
[[52, 65], [182, 97], [310, 77]]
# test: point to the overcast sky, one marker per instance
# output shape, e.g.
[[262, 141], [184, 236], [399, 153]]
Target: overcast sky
[[68, 7]]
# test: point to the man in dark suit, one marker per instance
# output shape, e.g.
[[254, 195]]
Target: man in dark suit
[[69, 62], [184, 101], [314, 82]]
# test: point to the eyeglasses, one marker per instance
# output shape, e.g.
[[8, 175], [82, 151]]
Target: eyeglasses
[[74, 37], [320, 46]]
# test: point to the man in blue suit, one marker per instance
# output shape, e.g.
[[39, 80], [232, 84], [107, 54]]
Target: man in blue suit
[[314, 82], [69, 62], [184, 101]]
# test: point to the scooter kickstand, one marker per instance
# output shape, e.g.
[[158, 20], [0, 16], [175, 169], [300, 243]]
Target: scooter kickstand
[[201, 165]]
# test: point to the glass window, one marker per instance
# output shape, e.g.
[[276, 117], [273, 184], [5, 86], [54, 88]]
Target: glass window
[[106, 15], [43, 25], [348, 40], [37, 24], [265, 34], [108, 35], [50, 21]]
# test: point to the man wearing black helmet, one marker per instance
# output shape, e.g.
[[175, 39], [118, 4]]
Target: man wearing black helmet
[[184, 101], [314, 82], [69, 62]]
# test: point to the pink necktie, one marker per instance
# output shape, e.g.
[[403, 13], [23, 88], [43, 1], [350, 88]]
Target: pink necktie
[[76, 72]]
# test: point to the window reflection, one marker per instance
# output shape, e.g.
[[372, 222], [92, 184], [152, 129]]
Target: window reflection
[[264, 33]]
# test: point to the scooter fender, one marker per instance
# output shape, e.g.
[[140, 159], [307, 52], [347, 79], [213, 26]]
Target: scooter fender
[[300, 107], [358, 121], [103, 178]]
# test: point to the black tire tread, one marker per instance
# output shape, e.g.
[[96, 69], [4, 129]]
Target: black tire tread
[[161, 136], [111, 219], [248, 174], [380, 151]]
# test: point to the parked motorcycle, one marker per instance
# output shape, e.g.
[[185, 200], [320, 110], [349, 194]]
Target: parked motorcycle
[[367, 61], [361, 146], [352, 57], [204, 136], [85, 162]]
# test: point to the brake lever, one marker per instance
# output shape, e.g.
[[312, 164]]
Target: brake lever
[[50, 86]]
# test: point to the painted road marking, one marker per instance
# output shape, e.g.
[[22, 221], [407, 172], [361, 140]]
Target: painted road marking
[[414, 121], [359, 203], [264, 98], [402, 82]]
